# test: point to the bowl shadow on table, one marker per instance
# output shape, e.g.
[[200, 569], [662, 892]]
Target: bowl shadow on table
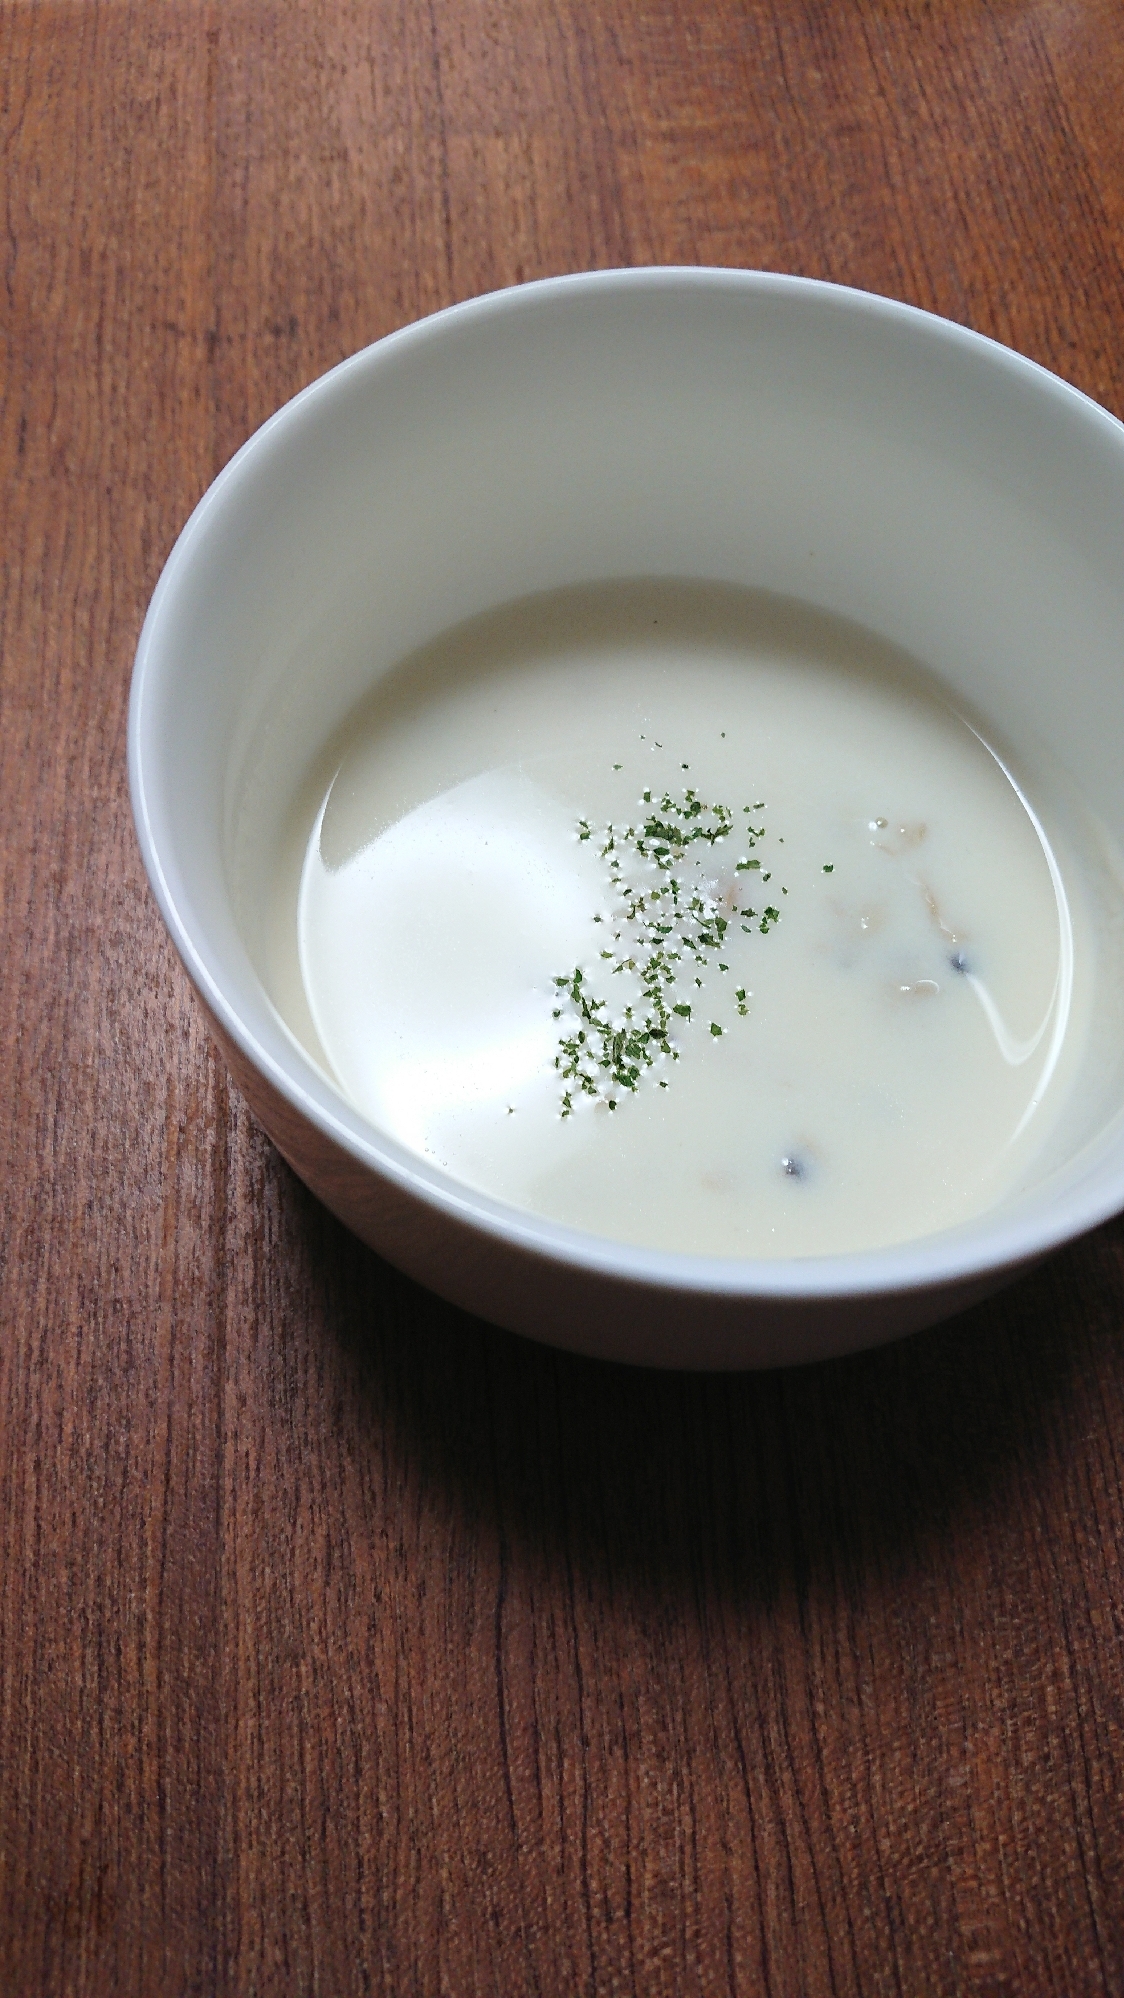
[[747, 1484]]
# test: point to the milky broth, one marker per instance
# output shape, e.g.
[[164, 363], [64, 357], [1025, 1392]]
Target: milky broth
[[883, 1056]]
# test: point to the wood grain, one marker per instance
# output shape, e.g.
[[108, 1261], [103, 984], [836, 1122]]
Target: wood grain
[[347, 1645]]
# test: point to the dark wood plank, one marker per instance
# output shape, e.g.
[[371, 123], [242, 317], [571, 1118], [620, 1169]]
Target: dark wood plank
[[347, 1644]]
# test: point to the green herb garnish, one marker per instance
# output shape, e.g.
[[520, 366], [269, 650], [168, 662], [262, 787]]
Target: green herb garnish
[[665, 913]]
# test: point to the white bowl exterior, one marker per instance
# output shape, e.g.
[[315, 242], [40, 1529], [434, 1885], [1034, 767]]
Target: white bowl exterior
[[768, 431]]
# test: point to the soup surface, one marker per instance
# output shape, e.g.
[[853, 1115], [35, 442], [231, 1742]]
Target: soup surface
[[686, 916]]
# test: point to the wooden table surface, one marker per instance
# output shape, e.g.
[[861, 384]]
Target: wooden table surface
[[346, 1644]]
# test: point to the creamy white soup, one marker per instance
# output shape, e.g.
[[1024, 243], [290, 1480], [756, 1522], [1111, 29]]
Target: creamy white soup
[[689, 917]]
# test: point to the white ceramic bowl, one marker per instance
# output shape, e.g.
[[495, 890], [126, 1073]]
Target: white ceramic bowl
[[772, 431]]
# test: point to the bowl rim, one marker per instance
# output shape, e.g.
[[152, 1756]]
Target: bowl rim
[[986, 1245]]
